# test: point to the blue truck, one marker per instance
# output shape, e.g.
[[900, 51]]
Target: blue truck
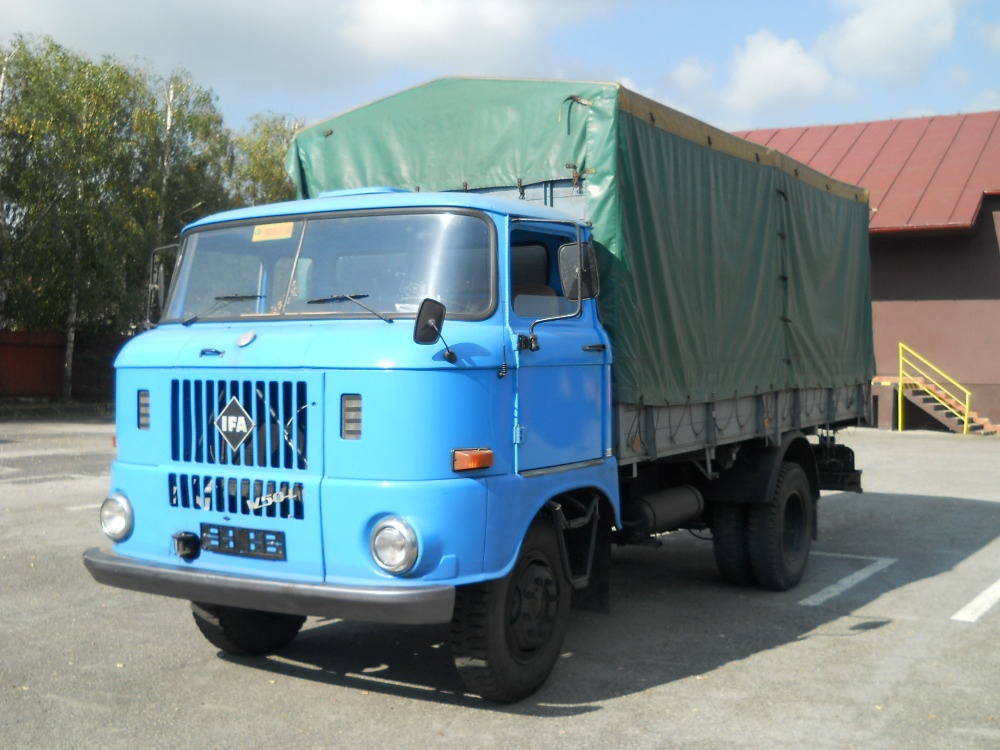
[[507, 326]]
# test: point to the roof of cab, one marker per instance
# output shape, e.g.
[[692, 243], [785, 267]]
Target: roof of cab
[[375, 198]]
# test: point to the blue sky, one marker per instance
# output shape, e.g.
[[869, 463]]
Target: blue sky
[[735, 63]]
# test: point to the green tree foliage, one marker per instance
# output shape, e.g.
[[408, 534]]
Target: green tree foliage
[[258, 173], [70, 182], [99, 163], [189, 153]]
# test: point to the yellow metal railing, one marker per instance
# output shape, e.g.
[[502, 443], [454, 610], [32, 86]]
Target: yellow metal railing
[[917, 373]]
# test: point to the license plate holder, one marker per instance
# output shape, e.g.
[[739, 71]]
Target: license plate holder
[[233, 540]]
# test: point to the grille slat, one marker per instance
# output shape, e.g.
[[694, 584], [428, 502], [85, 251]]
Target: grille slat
[[265, 498], [278, 439]]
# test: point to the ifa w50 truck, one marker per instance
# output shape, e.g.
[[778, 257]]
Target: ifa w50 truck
[[510, 325]]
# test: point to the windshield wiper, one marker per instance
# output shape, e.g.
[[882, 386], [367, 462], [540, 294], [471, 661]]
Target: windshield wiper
[[222, 301], [355, 298]]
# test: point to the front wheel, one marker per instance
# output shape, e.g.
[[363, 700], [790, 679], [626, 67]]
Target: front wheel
[[779, 532], [507, 634], [245, 632]]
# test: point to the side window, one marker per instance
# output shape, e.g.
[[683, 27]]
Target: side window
[[534, 288]]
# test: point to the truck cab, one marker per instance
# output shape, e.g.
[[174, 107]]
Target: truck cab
[[376, 405]]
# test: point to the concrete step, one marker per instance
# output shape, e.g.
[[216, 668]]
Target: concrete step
[[947, 411]]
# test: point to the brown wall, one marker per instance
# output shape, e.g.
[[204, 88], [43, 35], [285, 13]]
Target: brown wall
[[961, 337], [31, 364], [939, 267], [940, 295]]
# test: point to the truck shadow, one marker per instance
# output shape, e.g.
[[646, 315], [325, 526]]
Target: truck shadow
[[671, 617]]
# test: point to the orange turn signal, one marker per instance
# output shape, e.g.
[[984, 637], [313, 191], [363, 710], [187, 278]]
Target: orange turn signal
[[466, 459]]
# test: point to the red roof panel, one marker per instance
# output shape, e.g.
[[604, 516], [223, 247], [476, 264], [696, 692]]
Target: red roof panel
[[835, 148], [952, 172], [906, 165], [984, 177], [921, 173], [785, 139], [809, 143]]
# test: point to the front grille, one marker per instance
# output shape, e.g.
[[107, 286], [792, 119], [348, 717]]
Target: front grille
[[276, 440], [248, 497]]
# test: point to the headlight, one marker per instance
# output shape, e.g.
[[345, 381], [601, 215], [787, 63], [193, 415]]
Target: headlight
[[116, 516], [394, 545]]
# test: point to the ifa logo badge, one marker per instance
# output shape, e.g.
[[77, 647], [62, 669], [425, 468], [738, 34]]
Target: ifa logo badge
[[234, 423]]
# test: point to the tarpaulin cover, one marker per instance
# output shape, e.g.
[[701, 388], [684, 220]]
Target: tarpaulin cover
[[727, 268]]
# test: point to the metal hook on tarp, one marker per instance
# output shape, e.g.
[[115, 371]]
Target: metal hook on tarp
[[573, 98]]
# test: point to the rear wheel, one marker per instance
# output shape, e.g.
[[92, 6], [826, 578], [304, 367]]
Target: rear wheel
[[507, 634], [245, 632], [729, 542], [780, 532]]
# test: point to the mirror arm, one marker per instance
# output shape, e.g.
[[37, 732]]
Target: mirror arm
[[449, 355], [579, 272], [530, 342]]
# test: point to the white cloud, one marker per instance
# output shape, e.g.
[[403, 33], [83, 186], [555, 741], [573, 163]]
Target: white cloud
[[985, 101], [312, 57], [892, 39], [627, 83], [774, 74], [468, 35], [691, 75], [993, 36]]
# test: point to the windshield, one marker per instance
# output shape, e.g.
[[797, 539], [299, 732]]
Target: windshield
[[361, 265]]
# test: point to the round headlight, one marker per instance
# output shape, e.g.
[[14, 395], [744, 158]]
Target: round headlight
[[116, 516], [394, 545]]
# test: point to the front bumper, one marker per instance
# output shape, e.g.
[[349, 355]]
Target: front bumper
[[405, 605]]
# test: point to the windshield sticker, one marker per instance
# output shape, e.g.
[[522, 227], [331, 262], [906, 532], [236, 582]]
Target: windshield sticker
[[268, 232]]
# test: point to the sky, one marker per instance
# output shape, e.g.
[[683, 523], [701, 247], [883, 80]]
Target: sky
[[738, 64]]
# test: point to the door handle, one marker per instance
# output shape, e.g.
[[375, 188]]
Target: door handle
[[595, 347]]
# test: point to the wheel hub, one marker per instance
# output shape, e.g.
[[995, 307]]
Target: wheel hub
[[534, 603]]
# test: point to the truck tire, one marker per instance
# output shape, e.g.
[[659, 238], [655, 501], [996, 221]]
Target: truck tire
[[730, 544], [245, 632], [780, 532], [506, 635]]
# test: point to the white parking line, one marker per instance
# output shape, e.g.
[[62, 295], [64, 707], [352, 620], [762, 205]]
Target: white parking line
[[878, 564], [979, 606], [29, 479], [9, 455]]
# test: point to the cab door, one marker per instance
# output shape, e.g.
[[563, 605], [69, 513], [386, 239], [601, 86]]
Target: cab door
[[561, 410]]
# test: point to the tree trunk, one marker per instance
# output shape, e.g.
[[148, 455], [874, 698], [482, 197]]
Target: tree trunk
[[71, 313], [6, 244], [165, 159], [6, 264]]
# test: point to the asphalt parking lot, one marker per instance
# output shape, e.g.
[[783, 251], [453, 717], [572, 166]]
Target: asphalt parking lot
[[891, 640]]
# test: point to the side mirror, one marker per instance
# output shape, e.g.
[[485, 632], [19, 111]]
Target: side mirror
[[427, 329], [430, 318], [578, 270], [161, 266]]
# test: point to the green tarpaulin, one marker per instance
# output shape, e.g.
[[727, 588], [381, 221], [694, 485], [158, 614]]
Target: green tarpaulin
[[727, 268]]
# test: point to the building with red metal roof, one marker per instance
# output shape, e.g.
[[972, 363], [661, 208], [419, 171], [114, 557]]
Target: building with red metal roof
[[935, 220]]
